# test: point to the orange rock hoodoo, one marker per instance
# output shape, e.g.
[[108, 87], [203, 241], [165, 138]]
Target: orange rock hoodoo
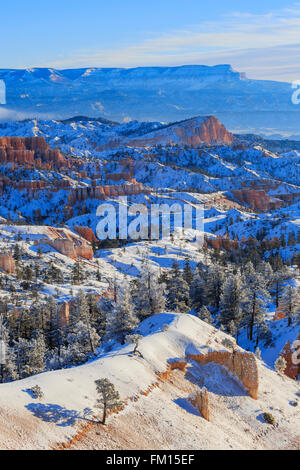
[[257, 199], [29, 151], [7, 263], [292, 360], [86, 233], [200, 400]]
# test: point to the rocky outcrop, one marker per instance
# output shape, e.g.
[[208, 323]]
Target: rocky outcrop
[[86, 233], [242, 364], [30, 151], [7, 263], [104, 192], [220, 242], [192, 132], [71, 249], [292, 369], [257, 199], [64, 314], [200, 400]]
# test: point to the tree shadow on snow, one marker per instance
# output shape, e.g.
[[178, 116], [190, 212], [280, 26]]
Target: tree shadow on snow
[[57, 414]]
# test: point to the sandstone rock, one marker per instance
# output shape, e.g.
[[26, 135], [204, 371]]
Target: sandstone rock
[[7, 263], [30, 150], [292, 370], [200, 400], [64, 314], [257, 199], [86, 233]]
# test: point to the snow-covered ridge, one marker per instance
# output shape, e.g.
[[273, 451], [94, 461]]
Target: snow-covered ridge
[[70, 394]]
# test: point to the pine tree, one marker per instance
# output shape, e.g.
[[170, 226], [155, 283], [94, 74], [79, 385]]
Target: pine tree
[[77, 273], [277, 283], [8, 369], [214, 285], [150, 293], [256, 297], [78, 342], [290, 300], [178, 298], [122, 320], [280, 365], [198, 290], [187, 272], [231, 299], [108, 397], [205, 315], [82, 314]]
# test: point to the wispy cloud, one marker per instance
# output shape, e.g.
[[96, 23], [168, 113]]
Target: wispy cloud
[[264, 46]]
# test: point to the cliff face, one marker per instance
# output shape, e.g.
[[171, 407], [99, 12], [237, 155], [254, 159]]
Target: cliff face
[[192, 132], [292, 369], [257, 199], [30, 151], [7, 263]]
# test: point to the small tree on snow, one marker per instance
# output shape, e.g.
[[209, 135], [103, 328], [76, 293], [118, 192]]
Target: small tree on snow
[[258, 354], [108, 397], [134, 339], [280, 365]]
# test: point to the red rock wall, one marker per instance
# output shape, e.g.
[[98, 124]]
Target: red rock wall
[[257, 199], [25, 151], [7, 263]]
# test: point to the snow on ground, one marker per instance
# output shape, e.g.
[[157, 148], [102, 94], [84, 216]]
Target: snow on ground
[[70, 396]]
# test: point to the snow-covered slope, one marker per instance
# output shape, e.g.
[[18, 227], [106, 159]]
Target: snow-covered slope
[[69, 398]]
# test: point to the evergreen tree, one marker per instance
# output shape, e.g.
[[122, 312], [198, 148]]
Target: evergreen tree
[[280, 365], [79, 341], [108, 397], [278, 281], [150, 293], [290, 300], [205, 315], [214, 285], [256, 297], [178, 298], [187, 272], [122, 320], [231, 299], [8, 369]]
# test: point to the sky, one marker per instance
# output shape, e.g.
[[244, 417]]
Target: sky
[[260, 38]]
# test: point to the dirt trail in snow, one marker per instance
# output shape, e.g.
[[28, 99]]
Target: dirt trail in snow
[[165, 419]]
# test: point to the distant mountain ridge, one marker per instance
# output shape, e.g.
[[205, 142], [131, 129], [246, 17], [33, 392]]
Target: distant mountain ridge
[[152, 94]]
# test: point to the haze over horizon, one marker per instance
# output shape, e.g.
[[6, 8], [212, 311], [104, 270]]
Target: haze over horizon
[[260, 40]]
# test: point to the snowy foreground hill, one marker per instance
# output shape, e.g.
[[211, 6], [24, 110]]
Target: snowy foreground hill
[[162, 418]]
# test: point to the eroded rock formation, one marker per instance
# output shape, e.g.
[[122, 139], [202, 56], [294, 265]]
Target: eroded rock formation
[[7, 263], [192, 132], [86, 233], [200, 400], [257, 199], [292, 367], [30, 151], [242, 364], [64, 314]]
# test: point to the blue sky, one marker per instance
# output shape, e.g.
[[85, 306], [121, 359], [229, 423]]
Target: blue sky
[[261, 38]]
